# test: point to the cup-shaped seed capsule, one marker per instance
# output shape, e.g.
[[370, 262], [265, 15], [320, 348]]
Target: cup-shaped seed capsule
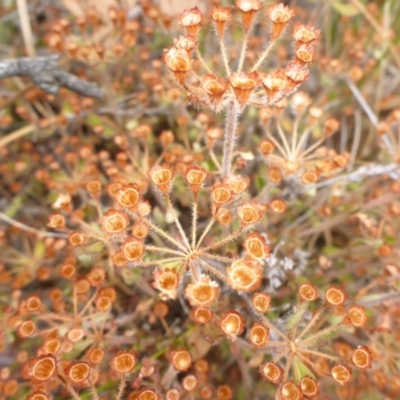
[[187, 42], [181, 360], [243, 84], [309, 387], [190, 382], [191, 20], [195, 177], [133, 249], [96, 276], [271, 372], [238, 184], [95, 355], [248, 8], [119, 259], [305, 33], [77, 373], [275, 175], [308, 292], [341, 374], [280, 16], [33, 303], [278, 206], [148, 394], [75, 334], [51, 346], [244, 276], [109, 292], [266, 147], [124, 362], [310, 177], [224, 392], [214, 87], [290, 391], [56, 221], [38, 395], [362, 357], [77, 238], [103, 303], [220, 15], [255, 246], [274, 84], [161, 176], [220, 194], [128, 195], [305, 54], [335, 296], [26, 328], [259, 335], [232, 324], [202, 315], [114, 221], [224, 216], [167, 282], [357, 316], [249, 213], [202, 293], [261, 302]]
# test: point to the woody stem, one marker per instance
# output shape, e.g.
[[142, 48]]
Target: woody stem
[[231, 123]]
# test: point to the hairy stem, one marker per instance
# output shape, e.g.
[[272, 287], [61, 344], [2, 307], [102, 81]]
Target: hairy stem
[[231, 123]]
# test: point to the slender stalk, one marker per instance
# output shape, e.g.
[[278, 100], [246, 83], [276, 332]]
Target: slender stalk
[[206, 230], [27, 228], [320, 333], [319, 354], [310, 324], [203, 63], [156, 249], [263, 56], [165, 235], [273, 328], [158, 262], [243, 52], [224, 56], [226, 240], [69, 388], [287, 368], [284, 140], [121, 388], [214, 257], [231, 123], [26, 28], [194, 220], [93, 390], [214, 271], [177, 222]]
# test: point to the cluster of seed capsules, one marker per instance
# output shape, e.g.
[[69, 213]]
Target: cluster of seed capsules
[[216, 92], [191, 254]]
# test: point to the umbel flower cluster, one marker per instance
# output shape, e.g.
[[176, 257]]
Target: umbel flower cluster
[[239, 86], [186, 253]]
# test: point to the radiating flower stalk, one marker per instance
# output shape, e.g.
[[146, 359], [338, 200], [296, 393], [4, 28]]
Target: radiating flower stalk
[[298, 353], [185, 254], [292, 153], [233, 91]]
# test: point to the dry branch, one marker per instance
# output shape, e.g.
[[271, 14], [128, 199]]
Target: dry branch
[[47, 75]]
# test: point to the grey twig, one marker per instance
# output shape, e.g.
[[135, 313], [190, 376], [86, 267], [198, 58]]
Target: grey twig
[[47, 75]]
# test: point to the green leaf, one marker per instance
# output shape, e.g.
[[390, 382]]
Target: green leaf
[[39, 250], [14, 207], [302, 369], [297, 316], [348, 10]]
